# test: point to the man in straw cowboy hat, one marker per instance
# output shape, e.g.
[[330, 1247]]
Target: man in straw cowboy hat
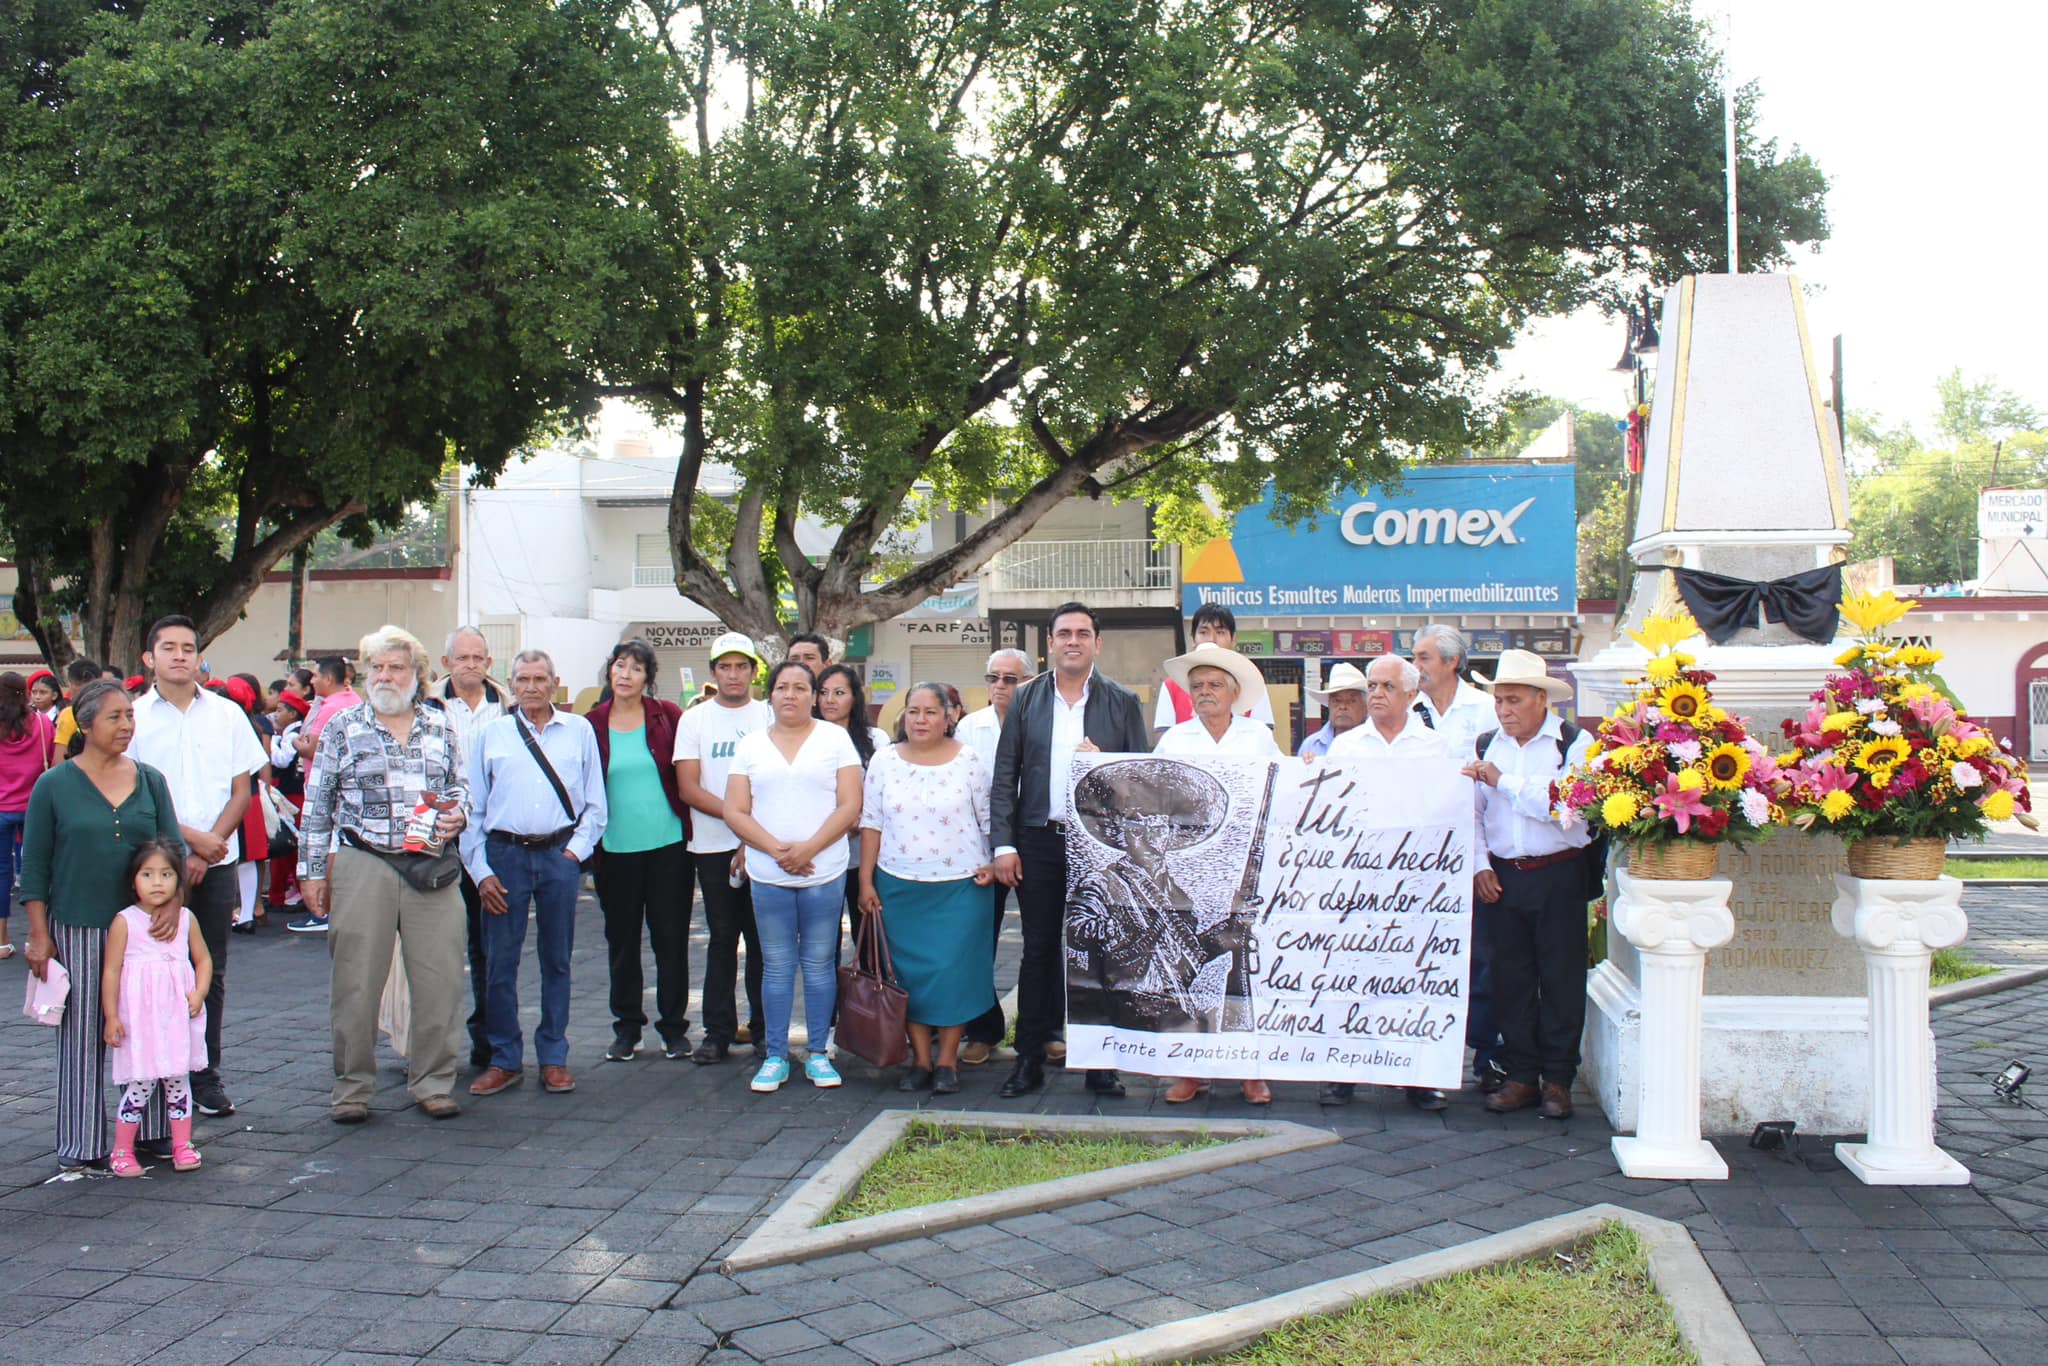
[[1343, 699], [1218, 678], [1532, 887]]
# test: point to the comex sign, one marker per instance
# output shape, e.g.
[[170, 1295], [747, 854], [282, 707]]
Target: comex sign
[[1430, 526], [1459, 538]]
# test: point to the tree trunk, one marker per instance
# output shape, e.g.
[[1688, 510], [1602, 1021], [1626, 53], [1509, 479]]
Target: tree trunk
[[295, 626], [31, 588]]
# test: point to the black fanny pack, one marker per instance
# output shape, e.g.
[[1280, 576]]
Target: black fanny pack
[[422, 872]]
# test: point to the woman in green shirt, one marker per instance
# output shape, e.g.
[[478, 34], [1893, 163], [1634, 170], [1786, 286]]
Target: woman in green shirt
[[643, 864], [84, 819]]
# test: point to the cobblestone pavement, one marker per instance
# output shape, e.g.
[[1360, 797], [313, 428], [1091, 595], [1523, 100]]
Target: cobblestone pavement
[[589, 1227]]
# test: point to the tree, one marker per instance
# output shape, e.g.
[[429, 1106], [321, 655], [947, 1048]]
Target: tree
[[1021, 249], [1918, 503], [266, 265]]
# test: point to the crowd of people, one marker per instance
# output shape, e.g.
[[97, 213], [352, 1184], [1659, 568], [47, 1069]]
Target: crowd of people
[[139, 816]]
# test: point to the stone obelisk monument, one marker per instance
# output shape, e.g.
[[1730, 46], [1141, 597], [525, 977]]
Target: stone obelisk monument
[[1742, 476]]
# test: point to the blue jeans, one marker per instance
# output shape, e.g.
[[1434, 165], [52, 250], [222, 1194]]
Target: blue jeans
[[798, 925], [547, 880], [11, 823]]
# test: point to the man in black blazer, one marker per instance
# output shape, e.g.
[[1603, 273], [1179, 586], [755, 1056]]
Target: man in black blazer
[[1069, 709]]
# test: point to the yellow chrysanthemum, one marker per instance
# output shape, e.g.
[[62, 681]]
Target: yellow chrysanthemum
[[1663, 669], [1882, 755], [1619, 809], [1913, 692], [1872, 612], [1998, 806], [1841, 720], [1974, 746], [1692, 780], [1849, 656], [1727, 765], [1629, 757], [1836, 805], [1660, 633], [1915, 656], [1682, 701]]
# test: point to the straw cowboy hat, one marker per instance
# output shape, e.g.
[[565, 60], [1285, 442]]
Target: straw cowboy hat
[[1210, 655], [1520, 666], [1343, 678]]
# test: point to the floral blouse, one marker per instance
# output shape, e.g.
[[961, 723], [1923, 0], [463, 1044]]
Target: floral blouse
[[933, 818]]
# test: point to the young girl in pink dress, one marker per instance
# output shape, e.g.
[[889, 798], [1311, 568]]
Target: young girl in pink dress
[[153, 995]]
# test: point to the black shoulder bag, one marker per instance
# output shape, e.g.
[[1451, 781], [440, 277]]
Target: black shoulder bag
[[1593, 856], [540, 756]]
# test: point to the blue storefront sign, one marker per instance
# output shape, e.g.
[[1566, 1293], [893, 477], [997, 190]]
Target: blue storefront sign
[[1455, 539]]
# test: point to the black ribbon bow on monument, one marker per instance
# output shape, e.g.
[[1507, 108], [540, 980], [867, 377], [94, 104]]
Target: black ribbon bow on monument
[[1809, 603]]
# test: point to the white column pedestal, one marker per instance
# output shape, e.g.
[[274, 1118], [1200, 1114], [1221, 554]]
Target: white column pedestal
[[1672, 926], [1899, 925]]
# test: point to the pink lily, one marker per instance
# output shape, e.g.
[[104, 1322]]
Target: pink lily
[[1681, 804]]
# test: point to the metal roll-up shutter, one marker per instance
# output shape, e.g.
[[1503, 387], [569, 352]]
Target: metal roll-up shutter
[[960, 665]]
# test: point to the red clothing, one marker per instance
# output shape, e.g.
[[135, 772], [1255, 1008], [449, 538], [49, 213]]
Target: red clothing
[[25, 759]]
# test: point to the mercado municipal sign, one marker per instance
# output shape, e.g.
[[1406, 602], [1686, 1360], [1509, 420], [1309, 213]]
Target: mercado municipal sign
[[1456, 538]]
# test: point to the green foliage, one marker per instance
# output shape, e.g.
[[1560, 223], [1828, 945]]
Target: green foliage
[[265, 267], [1604, 533], [1593, 1303], [1918, 502], [1950, 966], [1002, 250], [935, 1161]]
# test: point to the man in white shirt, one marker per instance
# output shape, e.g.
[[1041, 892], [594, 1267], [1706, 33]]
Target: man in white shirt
[[1007, 670], [531, 825], [1217, 678], [470, 701], [1532, 888], [704, 747], [1212, 624], [1459, 711], [1392, 725], [208, 753], [1393, 729]]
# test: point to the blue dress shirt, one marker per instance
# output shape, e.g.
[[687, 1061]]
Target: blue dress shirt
[[509, 792]]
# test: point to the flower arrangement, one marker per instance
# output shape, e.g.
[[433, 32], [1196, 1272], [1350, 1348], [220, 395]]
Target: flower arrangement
[[1886, 751], [1669, 765]]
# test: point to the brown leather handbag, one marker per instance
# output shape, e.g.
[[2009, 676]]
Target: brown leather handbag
[[874, 1012]]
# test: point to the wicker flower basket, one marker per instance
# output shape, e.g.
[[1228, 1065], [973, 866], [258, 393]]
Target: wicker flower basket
[[1679, 860], [1916, 860]]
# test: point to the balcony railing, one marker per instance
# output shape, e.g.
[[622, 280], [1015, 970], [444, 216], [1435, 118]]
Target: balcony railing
[[653, 575], [1082, 567]]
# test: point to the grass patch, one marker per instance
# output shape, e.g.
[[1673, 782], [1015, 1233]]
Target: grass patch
[[1996, 867], [934, 1162], [1953, 965], [1592, 1303]]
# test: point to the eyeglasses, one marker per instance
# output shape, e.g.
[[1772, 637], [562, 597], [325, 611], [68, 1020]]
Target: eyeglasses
[[993, 679]]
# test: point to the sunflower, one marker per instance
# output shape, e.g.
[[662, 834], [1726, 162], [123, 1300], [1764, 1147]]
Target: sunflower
[[1727, 766], [1915, 656], [1883, 754], [1682, 701]]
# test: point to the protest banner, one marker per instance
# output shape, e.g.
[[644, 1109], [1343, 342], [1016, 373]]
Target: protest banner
[[1241, 918]]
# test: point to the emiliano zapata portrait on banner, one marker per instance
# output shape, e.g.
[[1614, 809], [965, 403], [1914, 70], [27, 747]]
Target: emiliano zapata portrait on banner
[[1141, 952]]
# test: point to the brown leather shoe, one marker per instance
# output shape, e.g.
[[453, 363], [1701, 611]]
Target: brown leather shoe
[[1512, 1095], [1257, 1093], [974, 1054], [494, 1079], [440, 1107], [1185, 1089], [1557, 1101], [556, 1080]]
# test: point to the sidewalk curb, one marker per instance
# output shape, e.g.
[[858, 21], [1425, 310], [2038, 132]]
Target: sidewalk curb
[[1706, 1319], [792, 1231], [2006, 978]]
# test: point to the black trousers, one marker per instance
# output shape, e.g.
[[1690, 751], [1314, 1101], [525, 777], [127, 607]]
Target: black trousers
[[1538, 930], [479, 976], [213, 904], [650, 888], [1041, 908], [729, 916], [989, 1026]]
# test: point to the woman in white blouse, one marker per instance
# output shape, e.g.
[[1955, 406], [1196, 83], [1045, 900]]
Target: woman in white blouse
[[792, 795], [925, 877], [1222, 676], [1215, 678]]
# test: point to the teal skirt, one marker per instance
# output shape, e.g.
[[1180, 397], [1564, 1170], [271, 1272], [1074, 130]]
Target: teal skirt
[[942, 940]]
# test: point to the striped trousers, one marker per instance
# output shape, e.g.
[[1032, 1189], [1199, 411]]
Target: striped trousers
[[84, 1131]]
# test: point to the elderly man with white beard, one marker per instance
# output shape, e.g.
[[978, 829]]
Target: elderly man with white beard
[[375, 763]]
